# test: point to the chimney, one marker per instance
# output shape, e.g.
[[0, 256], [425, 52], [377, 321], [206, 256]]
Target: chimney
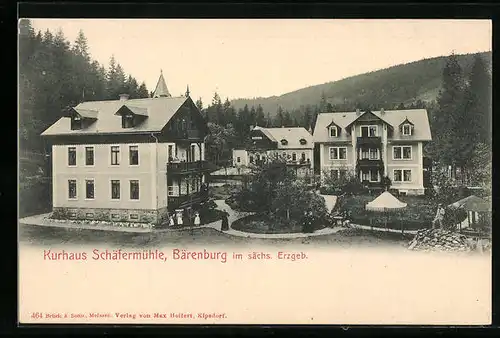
[[123, 97], [382, 112], [358, 111]]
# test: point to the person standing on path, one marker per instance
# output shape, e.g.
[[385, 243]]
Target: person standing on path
[[438, 219], [225, 221], [171, 220], [197, 220]]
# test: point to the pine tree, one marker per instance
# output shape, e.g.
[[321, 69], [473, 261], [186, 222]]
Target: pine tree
[[199, 104], [81, 47], [142, 92], [447, 124], [260, 118]]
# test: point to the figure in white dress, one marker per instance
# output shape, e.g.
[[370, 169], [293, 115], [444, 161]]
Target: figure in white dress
[[179, 218], [197, 220], [171, 220]]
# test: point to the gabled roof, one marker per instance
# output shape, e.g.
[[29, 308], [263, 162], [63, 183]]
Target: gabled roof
[[333, 124], [291, 135], [473, 203], [143, 111], [406, 121], [419, 117], [86, 113], [160, 111], [161, 89]]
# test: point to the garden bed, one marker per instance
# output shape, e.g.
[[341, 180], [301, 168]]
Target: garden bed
[[263, 224], [418, 214]]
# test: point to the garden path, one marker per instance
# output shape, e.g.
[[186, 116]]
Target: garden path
[[235, 215]]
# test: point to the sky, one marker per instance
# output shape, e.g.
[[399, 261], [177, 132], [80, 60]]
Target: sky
[[245, 58]]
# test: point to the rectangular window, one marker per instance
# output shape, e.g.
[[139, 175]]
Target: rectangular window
[[402, 153], [134, 155], [373, 154], [134, 190], [115, 155], [407, 175], [365, 175], [127, 121], [373, 175], [343, 173], [72, 156], [89, 189], [115, 190], [397, 175], [368, 131], [238, 159], [407, 129], [338, 153], [372, 131], [333, 131], [170, 151], [89, 155], [72, 189]]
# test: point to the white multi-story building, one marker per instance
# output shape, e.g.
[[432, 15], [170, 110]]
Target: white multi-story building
[[375, 144], [128, 159], [295, 145]]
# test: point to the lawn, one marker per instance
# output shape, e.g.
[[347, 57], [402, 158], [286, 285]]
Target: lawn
[[419, 213], [262, 224]]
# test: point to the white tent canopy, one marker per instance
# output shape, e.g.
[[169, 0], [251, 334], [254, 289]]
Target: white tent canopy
[[385, 202]]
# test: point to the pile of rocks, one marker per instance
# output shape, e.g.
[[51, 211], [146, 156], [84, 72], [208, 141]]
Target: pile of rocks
[[96, 223], [440, 240]]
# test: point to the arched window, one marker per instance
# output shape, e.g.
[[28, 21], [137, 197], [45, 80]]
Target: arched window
[[303, 157]]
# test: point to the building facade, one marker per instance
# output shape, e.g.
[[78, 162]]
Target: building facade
[[129, 159], [294, 145], [373, 145]]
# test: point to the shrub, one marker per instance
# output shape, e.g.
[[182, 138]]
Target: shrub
[[453, 216]]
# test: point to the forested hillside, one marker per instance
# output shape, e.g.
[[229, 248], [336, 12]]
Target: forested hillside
[[54, 74], [388, 88]]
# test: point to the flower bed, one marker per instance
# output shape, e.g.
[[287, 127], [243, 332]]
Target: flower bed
[[263, 224]]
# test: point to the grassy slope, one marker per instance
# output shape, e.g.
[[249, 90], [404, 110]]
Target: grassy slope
[[389, 87]]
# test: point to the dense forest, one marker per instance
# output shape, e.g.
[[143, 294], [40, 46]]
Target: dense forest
[[387, 88], [55, 74]]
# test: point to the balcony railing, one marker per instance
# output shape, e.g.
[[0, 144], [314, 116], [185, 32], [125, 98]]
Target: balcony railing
[[187, 167], [371, 141], [370, 163], [187, 134]]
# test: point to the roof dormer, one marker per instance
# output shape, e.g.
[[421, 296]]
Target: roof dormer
[[81, 118], [333, 130], [406, 127], [132, 116]]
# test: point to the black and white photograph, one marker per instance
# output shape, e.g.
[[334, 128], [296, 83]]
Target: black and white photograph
[[255, 171]]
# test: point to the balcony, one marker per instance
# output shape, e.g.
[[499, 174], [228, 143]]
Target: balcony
[[369, 163], [187, 167], [186, 200], [187, 134], [369, 141]]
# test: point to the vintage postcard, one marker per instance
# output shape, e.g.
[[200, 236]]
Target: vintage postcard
[[255, 171]]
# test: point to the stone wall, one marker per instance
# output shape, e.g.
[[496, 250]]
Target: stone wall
[[111, 215]]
